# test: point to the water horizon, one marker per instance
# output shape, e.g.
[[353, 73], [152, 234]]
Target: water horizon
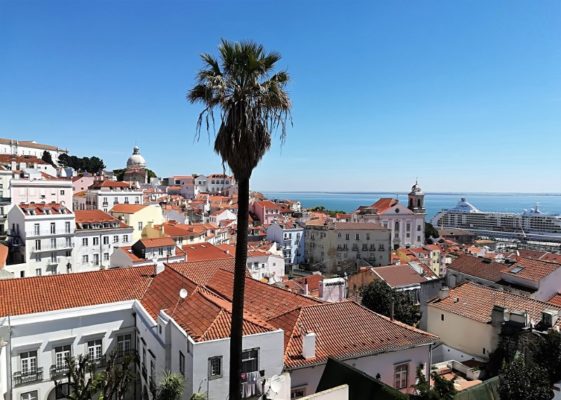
[[549, 203]]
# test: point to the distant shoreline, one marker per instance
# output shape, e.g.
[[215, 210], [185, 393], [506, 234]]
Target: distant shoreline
[[426, 193]]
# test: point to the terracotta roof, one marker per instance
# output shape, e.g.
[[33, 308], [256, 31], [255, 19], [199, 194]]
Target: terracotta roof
[[157, 242], [531, 269], [200, 272], [262, 299], [56, 292], [268, 204], [556, 299], [343, 330], [44, 209], [478, 267], [31, 143], [204, 252], [399, 275], [8, 158], [384, 203], [476, 302], [83, 216], [127, 208], [206, 316], [110, 184]]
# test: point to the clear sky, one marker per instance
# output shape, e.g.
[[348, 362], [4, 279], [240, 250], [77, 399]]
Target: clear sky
[[464, 94]]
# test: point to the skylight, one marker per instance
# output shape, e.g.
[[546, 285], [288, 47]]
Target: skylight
[[516, 270]]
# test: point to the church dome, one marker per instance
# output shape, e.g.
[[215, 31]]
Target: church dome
[[136, 160], [416, 189]]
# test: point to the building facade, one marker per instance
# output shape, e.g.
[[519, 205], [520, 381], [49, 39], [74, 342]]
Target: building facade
[[290, 237]]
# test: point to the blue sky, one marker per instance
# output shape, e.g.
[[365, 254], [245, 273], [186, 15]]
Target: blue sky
[[466, 95]]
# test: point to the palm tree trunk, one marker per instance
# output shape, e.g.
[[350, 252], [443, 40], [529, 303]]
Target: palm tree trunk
[[236, 333]]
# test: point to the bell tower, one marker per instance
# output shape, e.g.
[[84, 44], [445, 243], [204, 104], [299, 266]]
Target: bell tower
[[416, 199]]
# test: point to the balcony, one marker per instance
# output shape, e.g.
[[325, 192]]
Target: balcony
[[26, 377], [58, 371], [42, 249], [48, 233]]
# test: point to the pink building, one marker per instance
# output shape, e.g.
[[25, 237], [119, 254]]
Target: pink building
[[266, 211], [82, 183]]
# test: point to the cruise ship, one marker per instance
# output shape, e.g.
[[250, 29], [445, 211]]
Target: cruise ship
[[531, 225]]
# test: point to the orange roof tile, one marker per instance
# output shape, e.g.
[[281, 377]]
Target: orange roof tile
[[204, 252], [531, 269], [157, 242], [127, 208], [83, 216], [343, 330], [399, 275], [476, 302], [3, 255], [56, 292]]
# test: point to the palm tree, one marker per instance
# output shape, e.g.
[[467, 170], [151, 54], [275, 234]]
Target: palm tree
[[252, 103], [171, 387]]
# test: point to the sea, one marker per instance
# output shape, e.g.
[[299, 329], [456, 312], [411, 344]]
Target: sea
[[434, 202]]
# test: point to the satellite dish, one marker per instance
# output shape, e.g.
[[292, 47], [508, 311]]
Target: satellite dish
[[183, 293], [276, 383]]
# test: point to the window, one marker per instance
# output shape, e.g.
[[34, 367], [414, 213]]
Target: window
[[95, 241], [28, 362], [68, 242], [357, 236], [53, 243], [67, 227], [215, 367], [408, 226], [62, 192], [116, 239], [418, 228], [296, 393], [153, 369], [161, 251], [400, 375], [62, 353], [250, 360], [181, 363], [105, 256], [368, 236], [53, 257], [96, 259], [37, 245], [85, 259], [29, 395], [36, 229], [140, 226], [442, 317], [123, 343], [84, 241], [347, 236], [106, 240], [38, 272], [125, 238], [94, 350], [53, 227]]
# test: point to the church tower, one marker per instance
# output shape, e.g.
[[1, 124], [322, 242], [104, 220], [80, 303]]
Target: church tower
[[416, 199]]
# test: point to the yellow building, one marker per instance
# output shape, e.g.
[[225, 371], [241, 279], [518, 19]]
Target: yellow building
[[139, 216], [469, 317]]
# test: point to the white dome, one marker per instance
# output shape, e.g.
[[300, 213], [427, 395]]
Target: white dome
[[136, 160], [416, 189]]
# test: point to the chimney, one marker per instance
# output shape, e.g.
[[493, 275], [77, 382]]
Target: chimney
[[497, 316], [159, 267], [444, 292], [309, 345], [306, 287]]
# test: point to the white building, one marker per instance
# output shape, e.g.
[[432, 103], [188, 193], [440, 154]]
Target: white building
[[177, 318], [407, 224], [104, 195], [147, 252], [214, 184], [29, 148], [218, 216], [290, 237], [41, 239], [97, 235]]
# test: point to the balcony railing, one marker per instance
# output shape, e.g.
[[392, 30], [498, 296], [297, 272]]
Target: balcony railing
[[26, 377], [41, 249], [58, 371], [47, 232]]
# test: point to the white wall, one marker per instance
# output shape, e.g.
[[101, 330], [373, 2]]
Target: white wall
[[382, 364]]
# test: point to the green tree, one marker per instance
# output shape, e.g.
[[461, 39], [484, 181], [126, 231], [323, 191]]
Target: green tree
[[48, 158], [442, 389], [430, 231], [171, 387], [523, 380], [252, 102], [548, 355], [87, 380], [380, 298]]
